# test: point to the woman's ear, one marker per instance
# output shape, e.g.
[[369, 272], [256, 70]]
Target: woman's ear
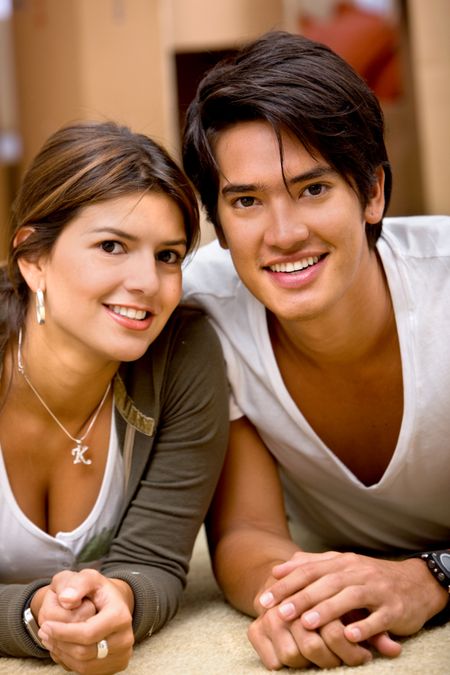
[[375, 207], [31, 270]]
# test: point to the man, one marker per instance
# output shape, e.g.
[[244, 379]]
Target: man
[[336, 337]]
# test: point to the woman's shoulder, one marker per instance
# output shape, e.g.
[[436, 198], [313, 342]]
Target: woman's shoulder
[[190, 320], [190, 334], [188, 339]]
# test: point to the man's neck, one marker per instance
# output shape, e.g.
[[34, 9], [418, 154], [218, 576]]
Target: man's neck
[[346, 335]]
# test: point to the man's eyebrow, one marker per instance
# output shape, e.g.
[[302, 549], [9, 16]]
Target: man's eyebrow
[[233, 188], [313, 174]]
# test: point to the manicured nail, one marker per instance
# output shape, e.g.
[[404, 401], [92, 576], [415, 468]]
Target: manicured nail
[[287, 610], [266, 599], [354, 633], [311, 619], [43, 637], [68, 594]]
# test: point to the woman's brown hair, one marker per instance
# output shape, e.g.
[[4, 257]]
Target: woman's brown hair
[[79, 165]]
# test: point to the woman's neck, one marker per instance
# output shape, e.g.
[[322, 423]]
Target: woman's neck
[[69, 385]]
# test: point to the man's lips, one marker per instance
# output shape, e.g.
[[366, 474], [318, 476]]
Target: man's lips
[[295, 266]]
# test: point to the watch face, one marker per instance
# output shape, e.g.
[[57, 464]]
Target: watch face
[[444, 559]]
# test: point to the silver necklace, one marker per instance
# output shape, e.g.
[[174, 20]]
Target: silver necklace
[[80, 449]]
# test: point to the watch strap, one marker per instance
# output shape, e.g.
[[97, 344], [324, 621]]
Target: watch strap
[[32, 626], [438, 562]]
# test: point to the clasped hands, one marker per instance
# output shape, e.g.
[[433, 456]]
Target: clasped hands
[[327, 609], [78, 610]]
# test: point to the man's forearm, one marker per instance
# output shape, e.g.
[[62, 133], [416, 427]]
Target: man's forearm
[[243, 562]]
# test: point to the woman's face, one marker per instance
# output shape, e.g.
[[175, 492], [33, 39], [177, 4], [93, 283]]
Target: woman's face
[[113, 277]]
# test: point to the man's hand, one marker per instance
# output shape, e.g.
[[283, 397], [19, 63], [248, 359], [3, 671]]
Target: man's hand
[[279, 642], [288, 643], [397, 596]]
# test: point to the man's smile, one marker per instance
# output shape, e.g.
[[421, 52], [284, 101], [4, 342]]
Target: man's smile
[[294, 266]]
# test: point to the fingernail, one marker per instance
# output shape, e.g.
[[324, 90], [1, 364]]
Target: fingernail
[[354, 633], [287, 610], [368, 658], [266, 599], [43, 637], [68, 594], [311, 619]]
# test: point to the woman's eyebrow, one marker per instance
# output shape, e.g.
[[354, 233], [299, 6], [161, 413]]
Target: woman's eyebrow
[[113, 231]]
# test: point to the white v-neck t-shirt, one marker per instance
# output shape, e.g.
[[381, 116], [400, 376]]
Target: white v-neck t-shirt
[[27, 552], [409, 508]]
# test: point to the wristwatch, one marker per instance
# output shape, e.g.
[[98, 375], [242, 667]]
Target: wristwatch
[[438, 563], [32, 627]]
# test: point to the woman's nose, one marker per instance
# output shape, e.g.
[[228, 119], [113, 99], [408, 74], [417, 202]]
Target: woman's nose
[[142, 275]]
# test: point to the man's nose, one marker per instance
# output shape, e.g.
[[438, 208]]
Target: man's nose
[[287, 227]]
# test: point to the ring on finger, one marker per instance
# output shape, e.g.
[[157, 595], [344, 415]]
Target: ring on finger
[[102, 649]]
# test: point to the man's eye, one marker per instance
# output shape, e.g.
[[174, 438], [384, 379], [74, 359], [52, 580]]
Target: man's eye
[[315, 189], [111, 246], [244, 202], [169, 257]]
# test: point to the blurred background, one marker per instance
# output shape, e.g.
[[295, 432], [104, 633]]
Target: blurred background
[[139, 61]]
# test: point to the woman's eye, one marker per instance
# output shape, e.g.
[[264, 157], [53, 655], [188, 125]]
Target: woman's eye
[[112, 246], [244, 202], [169, 257], [315, 190]]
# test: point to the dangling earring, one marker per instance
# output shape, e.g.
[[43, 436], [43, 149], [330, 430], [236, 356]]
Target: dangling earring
[[40, 306]]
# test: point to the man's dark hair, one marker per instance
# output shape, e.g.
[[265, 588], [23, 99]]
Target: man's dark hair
[[298, 86]]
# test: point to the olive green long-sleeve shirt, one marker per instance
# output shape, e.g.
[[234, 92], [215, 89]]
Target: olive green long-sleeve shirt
[[172, 427]]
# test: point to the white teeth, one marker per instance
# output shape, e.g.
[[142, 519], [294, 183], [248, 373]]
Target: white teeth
[[295, 266], [129, 312]]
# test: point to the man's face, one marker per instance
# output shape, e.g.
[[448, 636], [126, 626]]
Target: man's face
[[297, 241]]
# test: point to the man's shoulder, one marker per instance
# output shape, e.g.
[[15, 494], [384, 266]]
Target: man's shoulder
[[418, 236], [210, 282], [210, 271]]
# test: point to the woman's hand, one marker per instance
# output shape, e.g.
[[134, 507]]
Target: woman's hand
[[46, 607], [74, 644]]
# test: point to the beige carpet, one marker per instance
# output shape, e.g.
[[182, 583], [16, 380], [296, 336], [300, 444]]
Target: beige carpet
[[207, 637]]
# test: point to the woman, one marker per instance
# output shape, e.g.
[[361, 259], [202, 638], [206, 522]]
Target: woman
[[113, 405]]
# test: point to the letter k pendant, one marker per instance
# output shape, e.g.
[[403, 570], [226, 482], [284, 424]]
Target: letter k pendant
[[78, 454]]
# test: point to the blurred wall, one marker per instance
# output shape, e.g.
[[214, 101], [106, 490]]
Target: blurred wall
[[429, 31], [205, 24], [9, 122], [78, 59]]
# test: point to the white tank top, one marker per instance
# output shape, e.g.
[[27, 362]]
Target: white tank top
[[28, 553]]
